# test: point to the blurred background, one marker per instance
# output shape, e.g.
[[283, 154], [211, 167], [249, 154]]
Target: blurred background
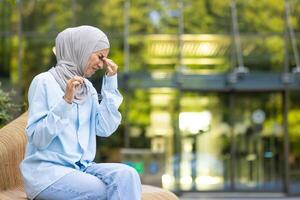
[[211, 87]]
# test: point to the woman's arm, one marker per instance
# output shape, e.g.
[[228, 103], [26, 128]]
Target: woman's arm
[[108, 117], [44, 122]]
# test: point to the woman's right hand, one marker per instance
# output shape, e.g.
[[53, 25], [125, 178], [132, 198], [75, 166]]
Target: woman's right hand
[[71, 88]]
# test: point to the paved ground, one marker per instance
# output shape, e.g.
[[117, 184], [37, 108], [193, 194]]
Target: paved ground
[[236, 196]]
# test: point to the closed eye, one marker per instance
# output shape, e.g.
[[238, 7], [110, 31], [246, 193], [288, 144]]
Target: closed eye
[[101, 57]]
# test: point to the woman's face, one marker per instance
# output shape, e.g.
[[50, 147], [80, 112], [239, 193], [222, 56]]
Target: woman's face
[[95, 62]]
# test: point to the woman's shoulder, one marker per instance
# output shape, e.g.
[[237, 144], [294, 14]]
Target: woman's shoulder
[[43, 77], [38, 84], [42, 82]]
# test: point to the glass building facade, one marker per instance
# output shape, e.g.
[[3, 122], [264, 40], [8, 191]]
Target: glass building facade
[[194, 118]]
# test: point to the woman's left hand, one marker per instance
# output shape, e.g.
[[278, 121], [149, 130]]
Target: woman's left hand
[[111, 67]]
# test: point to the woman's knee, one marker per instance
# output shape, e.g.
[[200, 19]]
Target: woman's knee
[[128, 171], [113, 172], [93, 187]]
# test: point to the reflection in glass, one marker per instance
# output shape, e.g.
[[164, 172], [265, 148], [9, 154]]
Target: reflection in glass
[[259, 142], [294, 137], [202, 122]]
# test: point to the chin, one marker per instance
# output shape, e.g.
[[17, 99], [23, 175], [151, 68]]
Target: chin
[[87, 75]]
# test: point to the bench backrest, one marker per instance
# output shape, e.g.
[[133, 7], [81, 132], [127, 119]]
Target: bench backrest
[[12, 148]]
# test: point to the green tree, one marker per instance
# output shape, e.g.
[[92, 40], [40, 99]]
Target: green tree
[[7, 107]]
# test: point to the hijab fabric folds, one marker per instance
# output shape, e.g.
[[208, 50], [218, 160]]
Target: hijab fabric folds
[[73, 48]]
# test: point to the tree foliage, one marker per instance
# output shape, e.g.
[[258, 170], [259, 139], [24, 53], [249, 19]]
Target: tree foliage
[[7, 107]]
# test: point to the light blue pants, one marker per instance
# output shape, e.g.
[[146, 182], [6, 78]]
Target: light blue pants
[[104, 181]]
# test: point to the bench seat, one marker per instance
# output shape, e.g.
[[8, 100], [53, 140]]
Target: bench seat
[[12, 148]]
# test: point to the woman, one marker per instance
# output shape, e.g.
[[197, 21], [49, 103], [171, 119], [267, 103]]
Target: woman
[[64, 119]]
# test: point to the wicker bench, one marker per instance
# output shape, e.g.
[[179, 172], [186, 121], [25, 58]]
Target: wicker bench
[[12, 148]]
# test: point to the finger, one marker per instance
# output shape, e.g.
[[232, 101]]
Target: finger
[[105, 59], [110, 70], [75, 83], [108, 61], [113, 65], [78, 78]]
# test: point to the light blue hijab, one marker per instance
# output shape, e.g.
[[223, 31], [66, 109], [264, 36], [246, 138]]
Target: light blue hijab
[[73, 48]]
